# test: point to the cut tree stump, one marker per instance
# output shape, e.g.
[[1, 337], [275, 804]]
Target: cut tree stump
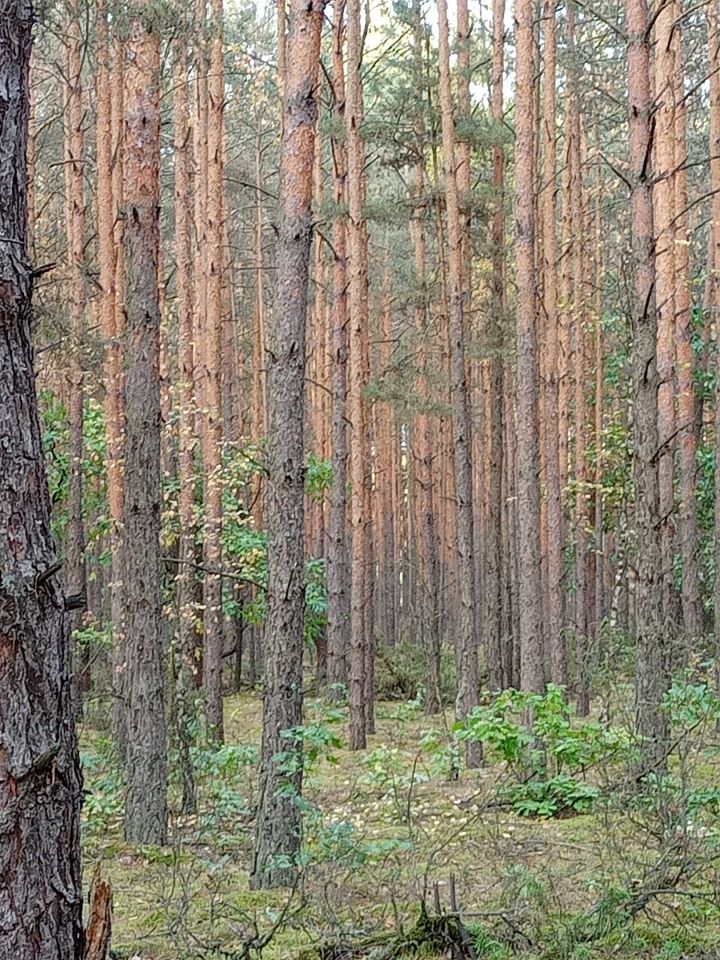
[[445, 934], [99, 929]]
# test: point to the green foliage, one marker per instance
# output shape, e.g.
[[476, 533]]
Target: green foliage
[[224, 774], [314, 741], [691, 703], [552, 797], [93, 636], [318, 477], [56, 444], [550, 755], [104, 794], [486, 945]]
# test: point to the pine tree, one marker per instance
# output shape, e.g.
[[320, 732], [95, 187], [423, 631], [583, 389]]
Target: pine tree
[[40, 780]]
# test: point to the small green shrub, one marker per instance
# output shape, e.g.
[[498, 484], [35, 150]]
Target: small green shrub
[[550, 757]]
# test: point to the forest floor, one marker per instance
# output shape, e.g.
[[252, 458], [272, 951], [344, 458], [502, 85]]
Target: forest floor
[[386, 830]]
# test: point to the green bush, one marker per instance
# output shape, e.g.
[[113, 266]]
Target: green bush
[[549, 757]]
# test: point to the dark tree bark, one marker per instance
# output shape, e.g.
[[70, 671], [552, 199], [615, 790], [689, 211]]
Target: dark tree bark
[[40, 782], [528, 487], [187, 639], [652, 677], [75, 566], [279, 823], [338, 572], [146, 803], [492, 596], [467, 643]]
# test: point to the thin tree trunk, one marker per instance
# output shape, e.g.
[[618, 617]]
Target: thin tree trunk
[[713, 18], [187, 638], [687, 403], [493, 579], [146, 801], [75, 199], [40, 779], [360, 568], [213, 433], [278, 825], [664, 221], [115, 406], [338, 573], [555, 559], [528, 492]]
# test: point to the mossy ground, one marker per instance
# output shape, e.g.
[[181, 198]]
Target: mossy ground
[[386, 829]]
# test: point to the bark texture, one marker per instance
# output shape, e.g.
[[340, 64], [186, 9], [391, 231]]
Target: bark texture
[[528, 487], [466, 642], [213, 431], [146, 801], [338, 559], [652, 677], [40, 781], [359, 443], [279, 823]]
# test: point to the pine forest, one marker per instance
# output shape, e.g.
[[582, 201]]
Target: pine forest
[[359, 508]]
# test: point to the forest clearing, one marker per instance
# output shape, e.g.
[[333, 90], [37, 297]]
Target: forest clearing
[[359, 510]]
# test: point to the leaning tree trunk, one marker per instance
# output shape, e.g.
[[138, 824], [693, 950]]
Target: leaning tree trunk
[[40, 781], [146, 805], [279, 822]]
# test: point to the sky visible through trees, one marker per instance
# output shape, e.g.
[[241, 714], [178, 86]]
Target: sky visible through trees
[[359, 511]]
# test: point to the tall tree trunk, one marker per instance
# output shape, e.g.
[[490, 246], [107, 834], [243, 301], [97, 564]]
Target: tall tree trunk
[[278, 825], [213, 435], [40, 779], [338, 560], [360, 567], [187, 638], [424, 450], [386, 487], [713, 18], [578, 310], [496, 335], [687, 403], [548, 200], [146, 801], [664, 221], [467, 653], [528, 492], [652, 676], [75, 201], [115, 404]]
